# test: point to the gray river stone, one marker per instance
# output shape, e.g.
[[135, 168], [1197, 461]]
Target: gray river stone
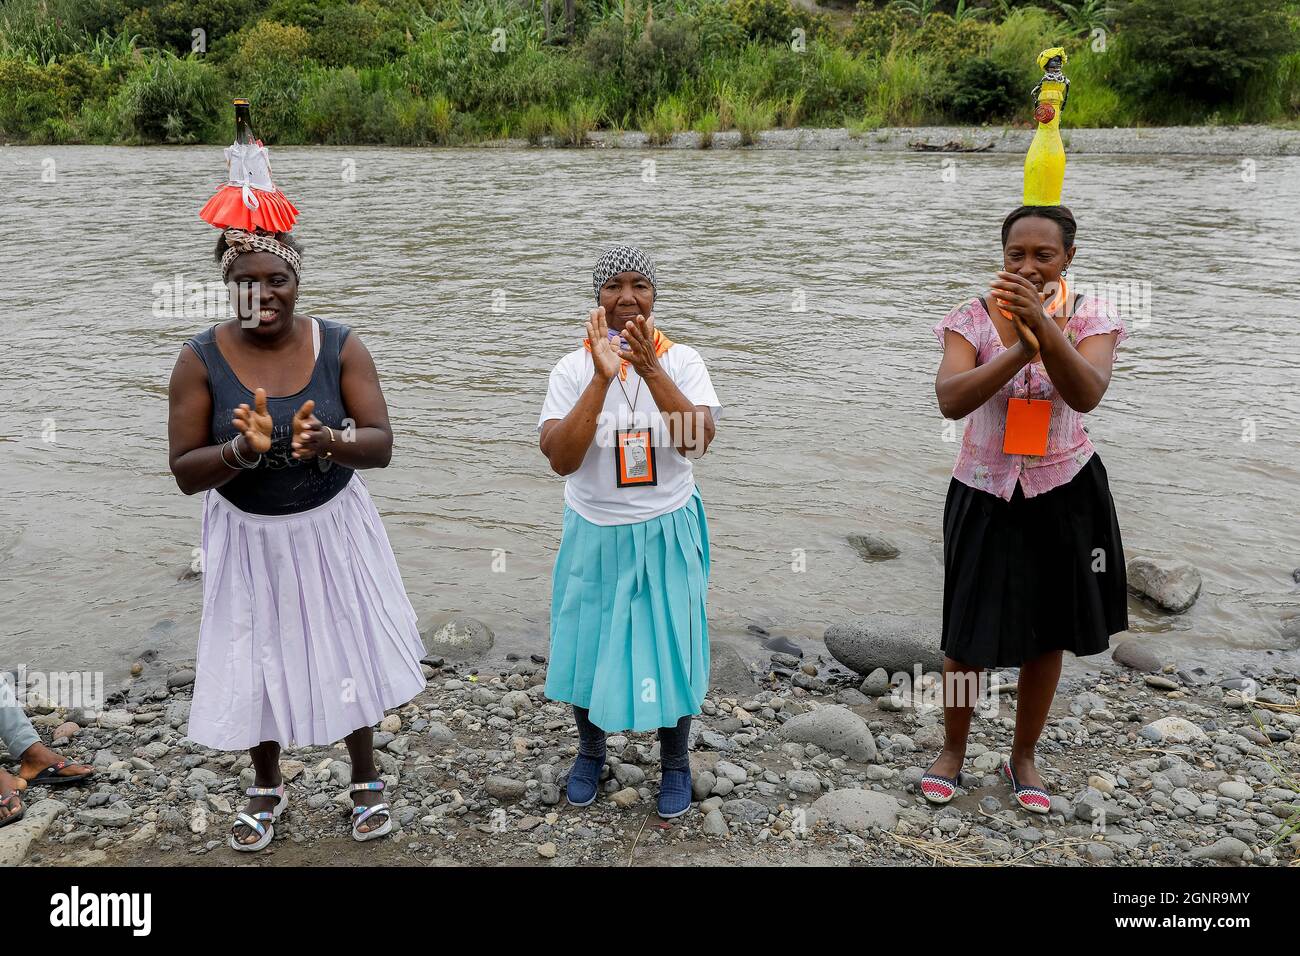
[[896, 644], [833, 728], [729, 675], [872, 548], [459, 638], [855, 810], [1170, 585], [1137, 655]]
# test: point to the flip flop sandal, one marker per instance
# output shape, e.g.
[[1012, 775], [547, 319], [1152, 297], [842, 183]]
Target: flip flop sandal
[[361, 814], [939, 789], [15, 817], [260, 823], [1033, 799], [50, 776]]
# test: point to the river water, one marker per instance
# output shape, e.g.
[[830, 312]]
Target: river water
[[809, 282]]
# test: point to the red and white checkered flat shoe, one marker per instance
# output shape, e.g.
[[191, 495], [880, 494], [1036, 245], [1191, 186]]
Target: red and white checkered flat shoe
[[1033, 799], [939, 789]]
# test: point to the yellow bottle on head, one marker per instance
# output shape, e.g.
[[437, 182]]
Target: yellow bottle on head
[[1045, 161]]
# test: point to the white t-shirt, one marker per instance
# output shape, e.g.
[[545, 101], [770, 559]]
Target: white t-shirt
[[592, 491]]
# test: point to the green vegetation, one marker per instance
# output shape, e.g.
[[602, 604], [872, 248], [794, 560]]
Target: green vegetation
[[414, 72]]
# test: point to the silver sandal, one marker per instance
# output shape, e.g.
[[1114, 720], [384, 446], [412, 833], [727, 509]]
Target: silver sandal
[[263, 823], [361, 814]]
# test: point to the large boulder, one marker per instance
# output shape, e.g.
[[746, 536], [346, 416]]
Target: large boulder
[[896, 644], [832, 728], [459, 638], [855, 810], [1171, 585]]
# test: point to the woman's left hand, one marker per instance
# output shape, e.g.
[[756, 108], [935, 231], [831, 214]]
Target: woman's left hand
[[640, 350], [310, 437], [1017, 295]]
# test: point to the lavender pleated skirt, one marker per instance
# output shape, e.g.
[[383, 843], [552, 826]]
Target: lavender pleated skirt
[[307, 632]]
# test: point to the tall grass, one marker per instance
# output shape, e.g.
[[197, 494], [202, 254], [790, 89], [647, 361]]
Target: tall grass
[[752, 116], [707, 127], [1094, 101], [573, 125], [668, 118], [904, 90], [1020, 37], [534, 124]]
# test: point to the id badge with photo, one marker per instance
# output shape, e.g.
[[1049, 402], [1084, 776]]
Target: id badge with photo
[[634, 458], [1028, 422]]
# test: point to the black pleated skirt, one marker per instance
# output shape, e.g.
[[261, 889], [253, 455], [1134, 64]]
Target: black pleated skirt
[[1032, 575]]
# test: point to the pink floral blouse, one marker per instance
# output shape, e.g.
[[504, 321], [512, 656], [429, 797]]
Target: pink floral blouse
[[981, 462]]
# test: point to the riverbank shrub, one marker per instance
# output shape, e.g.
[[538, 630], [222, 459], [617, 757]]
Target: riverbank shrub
[[982, 91], [170, 99]]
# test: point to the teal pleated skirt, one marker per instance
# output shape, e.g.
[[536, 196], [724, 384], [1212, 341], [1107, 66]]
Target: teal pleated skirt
[[629, 634]]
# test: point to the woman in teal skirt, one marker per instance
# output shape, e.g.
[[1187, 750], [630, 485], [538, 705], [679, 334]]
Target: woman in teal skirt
[[624, 415]]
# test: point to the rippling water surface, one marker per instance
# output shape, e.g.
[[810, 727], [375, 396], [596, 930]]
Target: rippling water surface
[[467, 273]]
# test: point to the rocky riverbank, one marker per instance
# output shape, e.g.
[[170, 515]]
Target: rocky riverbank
[[796, 761], [1240, 142]]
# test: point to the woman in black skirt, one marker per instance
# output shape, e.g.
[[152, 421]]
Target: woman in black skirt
[[1033, 563]]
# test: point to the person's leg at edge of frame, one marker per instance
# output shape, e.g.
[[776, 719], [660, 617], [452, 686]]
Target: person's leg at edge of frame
[[16, 730], [18, 735]]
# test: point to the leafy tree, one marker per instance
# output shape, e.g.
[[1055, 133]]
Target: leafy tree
[[1203, 50]]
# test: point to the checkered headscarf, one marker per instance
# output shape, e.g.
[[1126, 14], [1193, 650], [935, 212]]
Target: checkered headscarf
[[239, 241], [621, 259]]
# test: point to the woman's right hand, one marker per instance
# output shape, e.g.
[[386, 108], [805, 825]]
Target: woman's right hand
[[1028, 340], [255, 423], [603, 354], [1027, 337]]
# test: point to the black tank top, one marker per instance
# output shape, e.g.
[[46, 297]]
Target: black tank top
[[280, 484]]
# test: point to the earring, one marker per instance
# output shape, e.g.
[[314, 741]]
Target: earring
[[1064, 272]]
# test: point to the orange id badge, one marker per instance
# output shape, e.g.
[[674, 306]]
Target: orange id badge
[[1028, 421], [634, 458]]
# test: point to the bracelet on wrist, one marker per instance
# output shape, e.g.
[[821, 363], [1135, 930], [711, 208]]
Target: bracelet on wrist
[[244, 463]]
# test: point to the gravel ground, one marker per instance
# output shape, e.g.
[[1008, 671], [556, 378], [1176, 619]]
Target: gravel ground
[[796, 761]]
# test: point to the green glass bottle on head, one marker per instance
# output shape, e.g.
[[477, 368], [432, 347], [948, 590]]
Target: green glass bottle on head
[[243, 122]]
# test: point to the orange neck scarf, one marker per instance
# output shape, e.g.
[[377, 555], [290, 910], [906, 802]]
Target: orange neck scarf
[[1052, 308], [662, 345]]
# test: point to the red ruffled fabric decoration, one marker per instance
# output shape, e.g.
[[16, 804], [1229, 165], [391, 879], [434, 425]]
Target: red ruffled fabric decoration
[[226, 209]]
